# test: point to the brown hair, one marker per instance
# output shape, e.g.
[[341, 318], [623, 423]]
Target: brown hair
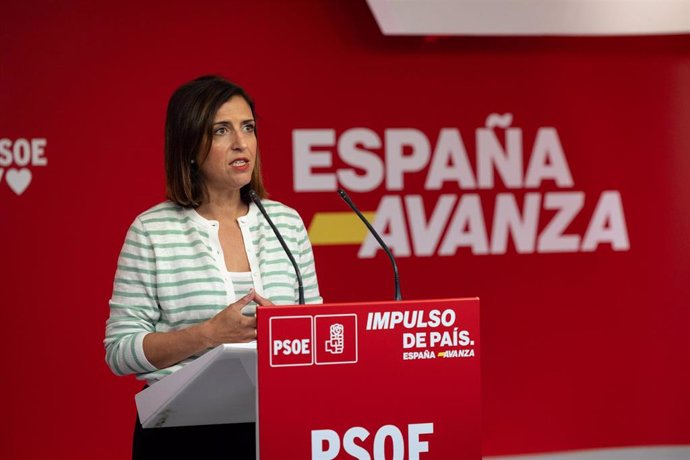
[[188, 131]]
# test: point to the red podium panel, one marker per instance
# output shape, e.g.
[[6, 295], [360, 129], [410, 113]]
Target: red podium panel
[[393, 380]]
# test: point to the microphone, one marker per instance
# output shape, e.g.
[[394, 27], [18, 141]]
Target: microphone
[[255, 198], [343, 195]]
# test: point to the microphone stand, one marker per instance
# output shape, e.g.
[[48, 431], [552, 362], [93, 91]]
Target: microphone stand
[[344, 196], [300, 288]]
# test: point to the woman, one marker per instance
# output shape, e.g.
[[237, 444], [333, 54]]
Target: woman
[[191, 264]]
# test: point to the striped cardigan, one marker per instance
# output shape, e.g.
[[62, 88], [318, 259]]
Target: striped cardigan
[[171, 274]]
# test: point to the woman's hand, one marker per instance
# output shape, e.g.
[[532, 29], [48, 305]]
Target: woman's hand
[[230, 325], [164, 349]]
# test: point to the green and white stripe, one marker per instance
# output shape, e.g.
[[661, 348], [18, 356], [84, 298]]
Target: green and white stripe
[[171, 274]]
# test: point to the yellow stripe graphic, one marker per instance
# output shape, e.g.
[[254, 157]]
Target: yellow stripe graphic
[[337, 228]]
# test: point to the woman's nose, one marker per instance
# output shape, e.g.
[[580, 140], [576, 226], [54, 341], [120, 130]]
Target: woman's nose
[[239, 142]]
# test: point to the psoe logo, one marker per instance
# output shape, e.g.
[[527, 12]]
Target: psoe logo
[[16, 157], [307, 340], [336, 344], [335, 337], [291, 339]]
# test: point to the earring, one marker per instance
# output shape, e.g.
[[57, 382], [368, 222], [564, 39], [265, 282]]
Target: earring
[[193, 162]]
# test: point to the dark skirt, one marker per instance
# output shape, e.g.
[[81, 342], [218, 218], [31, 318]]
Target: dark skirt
[[236, 441]]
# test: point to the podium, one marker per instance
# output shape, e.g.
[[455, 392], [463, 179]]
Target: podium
[[361, 380]]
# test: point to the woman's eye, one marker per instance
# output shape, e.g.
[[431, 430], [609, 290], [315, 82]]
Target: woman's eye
[[249, 128], [221, 131]]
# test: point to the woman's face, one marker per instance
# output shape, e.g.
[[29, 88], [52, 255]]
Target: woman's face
[[230, 161]]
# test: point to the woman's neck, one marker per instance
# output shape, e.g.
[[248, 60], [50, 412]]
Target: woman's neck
[[221, 207]]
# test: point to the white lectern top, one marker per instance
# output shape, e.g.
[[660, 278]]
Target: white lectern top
[[218, 387]]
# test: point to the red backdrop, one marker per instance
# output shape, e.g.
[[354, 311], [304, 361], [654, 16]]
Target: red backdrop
[[580, 349]]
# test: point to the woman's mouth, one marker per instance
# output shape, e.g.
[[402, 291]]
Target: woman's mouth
[[239, 163]]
